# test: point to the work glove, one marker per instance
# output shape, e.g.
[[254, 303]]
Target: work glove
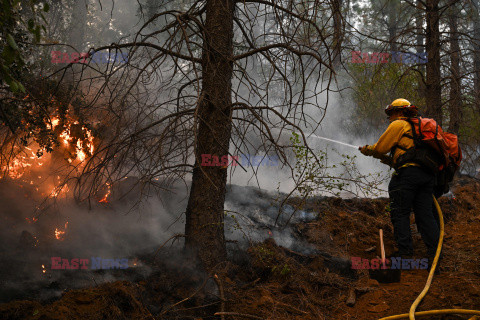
[[366, 150]]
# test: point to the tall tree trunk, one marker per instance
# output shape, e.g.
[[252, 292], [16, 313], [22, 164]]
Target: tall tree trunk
[[420, 44], [392, 24], [204, 229], [434, 92], [419, 20], [338, 31], [455, 99], [78, 24], [476, 52], [76, 38]]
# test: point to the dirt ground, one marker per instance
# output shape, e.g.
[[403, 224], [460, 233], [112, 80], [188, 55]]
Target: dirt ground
[[271, 282]]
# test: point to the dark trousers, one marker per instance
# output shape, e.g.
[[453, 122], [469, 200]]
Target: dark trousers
[[412, 187]]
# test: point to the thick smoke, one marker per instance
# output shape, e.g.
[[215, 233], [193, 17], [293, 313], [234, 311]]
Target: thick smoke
[[119, 229], [331, 126]]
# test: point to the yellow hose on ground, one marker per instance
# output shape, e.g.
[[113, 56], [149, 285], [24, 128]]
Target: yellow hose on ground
[[411, 315]]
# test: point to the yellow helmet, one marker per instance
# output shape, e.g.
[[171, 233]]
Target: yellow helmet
[[401, 104]]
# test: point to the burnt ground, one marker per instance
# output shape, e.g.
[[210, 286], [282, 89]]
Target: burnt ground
[[271, 282]]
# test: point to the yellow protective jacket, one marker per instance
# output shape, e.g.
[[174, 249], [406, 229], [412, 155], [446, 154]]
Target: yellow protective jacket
[[396, 135]]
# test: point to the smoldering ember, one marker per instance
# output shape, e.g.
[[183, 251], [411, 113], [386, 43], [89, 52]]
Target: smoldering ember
[[226, 160]]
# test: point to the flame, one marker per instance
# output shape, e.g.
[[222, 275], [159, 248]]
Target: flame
[[134, 263], [28, 162], [90, 145], [34, 219], [59, 234], [43, 267], [26, 158], [17, 167], [55, 122], [80, 153], [81, 146], [105, 197], [59, 190], [66, 137]]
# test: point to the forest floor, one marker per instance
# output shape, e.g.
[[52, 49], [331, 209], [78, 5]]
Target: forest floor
[[272, 282]]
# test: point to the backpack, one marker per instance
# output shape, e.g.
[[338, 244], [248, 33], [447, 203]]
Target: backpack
[[435, 150]]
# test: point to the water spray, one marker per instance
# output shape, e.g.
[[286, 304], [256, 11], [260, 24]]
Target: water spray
[[331, 140]]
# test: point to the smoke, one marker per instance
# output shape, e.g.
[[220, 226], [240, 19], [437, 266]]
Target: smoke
[[330, 123], [335, 126], [302, 96], [254, 215], [119, 229]]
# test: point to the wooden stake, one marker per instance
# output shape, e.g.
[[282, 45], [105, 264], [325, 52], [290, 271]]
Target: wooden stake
[[382, 248]]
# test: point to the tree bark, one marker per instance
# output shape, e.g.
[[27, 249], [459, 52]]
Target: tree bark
[[455, 99], [204, 229], [76, 38], [78, 24], [338, 31], [419, 20], [434, 92], [392, 24], [476, 52], [420, 44]]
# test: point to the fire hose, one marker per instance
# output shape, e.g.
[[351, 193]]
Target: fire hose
[[411, 315]]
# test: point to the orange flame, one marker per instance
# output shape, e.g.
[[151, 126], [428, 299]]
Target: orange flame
[[32, 220], [28, 159], [59, 190], [59, 234], [80, 148], [105, 197]]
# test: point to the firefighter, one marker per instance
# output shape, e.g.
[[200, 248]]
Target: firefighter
[[411, 185]]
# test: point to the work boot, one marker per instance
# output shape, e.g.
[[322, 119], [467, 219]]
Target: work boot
[[402, 255]]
